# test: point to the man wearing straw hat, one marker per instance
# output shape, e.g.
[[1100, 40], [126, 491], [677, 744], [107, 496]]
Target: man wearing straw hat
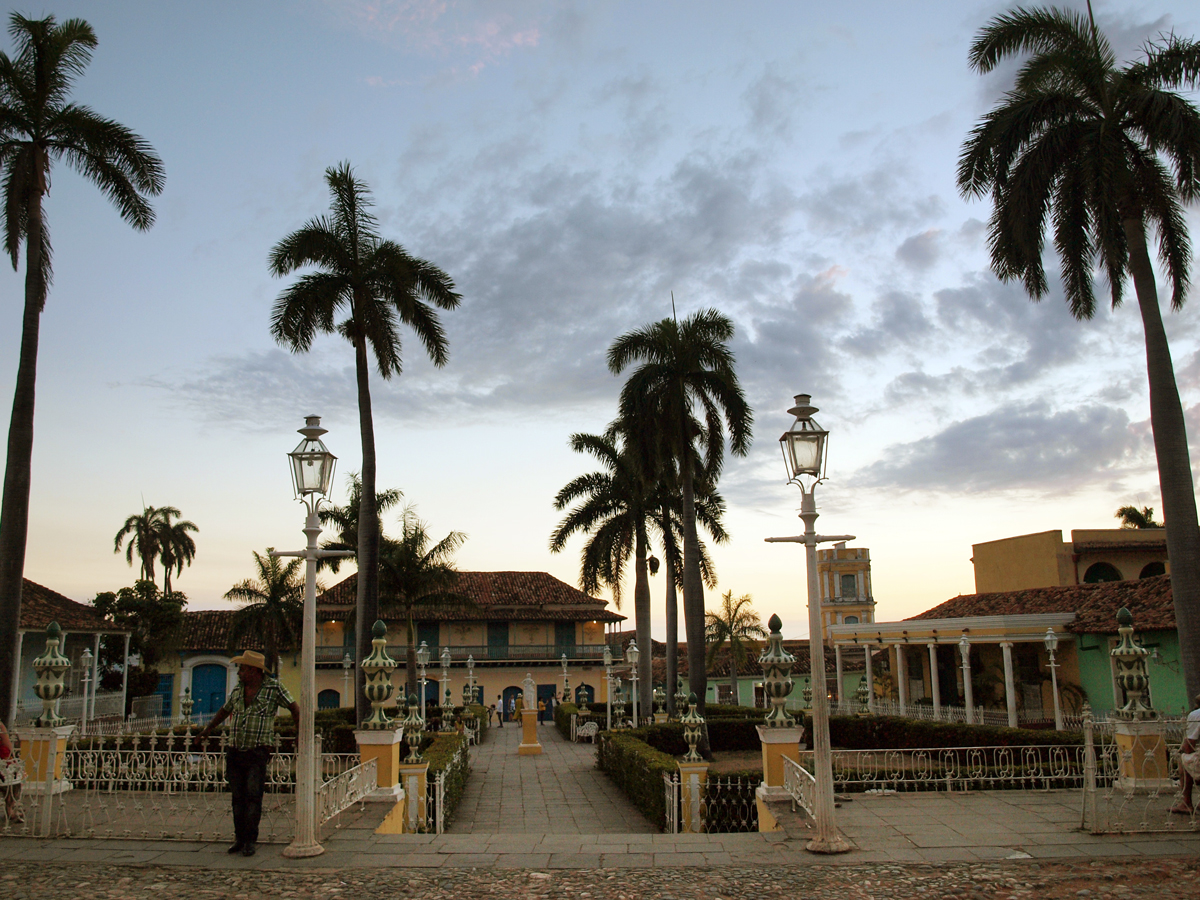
[[251, 707]]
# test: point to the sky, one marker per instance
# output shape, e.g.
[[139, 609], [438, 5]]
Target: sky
[[572, 166]]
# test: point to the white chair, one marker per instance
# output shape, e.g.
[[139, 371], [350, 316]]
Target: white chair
[[587, 730]]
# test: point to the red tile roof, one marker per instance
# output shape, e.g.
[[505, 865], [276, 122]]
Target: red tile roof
[[40, 606], [208, 629], [501, 596], [1095, 605], [851, 662]]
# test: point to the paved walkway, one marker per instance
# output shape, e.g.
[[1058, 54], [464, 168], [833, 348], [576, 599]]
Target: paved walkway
[[559, 792]]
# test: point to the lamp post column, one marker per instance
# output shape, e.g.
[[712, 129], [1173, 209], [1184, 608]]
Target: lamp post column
[[964, 648], [1051, 645], [934, 684], [1010, 688]]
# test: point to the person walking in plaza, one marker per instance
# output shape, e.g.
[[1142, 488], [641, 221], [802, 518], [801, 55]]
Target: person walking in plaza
[[251, 710], [541, 711], [1189, 760]]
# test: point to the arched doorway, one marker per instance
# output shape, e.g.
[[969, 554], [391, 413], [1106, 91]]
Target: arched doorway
[[329, 699], [511, 693], [1152, 569]]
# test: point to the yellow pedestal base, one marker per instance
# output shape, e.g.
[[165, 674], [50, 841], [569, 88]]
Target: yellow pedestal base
[[692, 777], [1143, 756], [778, 744], [530, 745], [384, 748], [409, 816], [42, 750], [766, 821]]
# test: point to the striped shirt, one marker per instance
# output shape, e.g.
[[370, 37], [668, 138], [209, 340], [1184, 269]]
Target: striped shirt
[[254, 725]]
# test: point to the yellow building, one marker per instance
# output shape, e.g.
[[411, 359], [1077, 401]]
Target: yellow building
[[1093, 555], [844, 580]]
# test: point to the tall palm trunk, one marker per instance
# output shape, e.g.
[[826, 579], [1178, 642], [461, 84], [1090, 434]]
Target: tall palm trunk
[[1174, 465], [641, 616], [693, 589], [14, 508], [367, 598], [672, 674]]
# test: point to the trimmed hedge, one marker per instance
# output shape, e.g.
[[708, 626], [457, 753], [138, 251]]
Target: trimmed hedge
[[441, 752], [562, 718], [894, 732], [637, 769]]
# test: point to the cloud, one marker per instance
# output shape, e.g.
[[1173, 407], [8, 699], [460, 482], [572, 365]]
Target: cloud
[[476, 31], [772, 101], [898, 320], [867, 204], [921, 250], [1014, 447]]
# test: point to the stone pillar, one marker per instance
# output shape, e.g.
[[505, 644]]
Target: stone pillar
[[1138, 730], [837, 655], [530, 745], [902, 677], [934, 681], [1010, 687], [778, 734]]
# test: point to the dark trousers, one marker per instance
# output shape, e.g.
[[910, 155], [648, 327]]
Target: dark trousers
[[247, 774]]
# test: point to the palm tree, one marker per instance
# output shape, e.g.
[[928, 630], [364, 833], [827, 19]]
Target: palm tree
[[378, 286], [176, 547], [345, 519], [1132, 517], [737, 625], [686, 369], [274, 607], [415, 577], [1107, 153], [38, 126], [153, 536], [615, 507]]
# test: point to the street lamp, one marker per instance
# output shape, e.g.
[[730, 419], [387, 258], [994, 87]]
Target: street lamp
[[85, 661], [312, 468], [422, 662], [566, 681], [1051, 641], [964, 648], [805, 449], [471, 677], [633, 654], [608, 661], [447, 703], [347, 666]]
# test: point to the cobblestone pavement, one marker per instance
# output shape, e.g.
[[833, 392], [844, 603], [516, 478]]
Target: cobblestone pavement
[[1175, 878]]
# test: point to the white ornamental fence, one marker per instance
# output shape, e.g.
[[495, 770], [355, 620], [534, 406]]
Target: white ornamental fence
[[725, 804], [166, 787]]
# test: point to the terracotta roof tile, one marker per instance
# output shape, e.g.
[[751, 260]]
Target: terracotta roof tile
[[40, 606], [208, 629], [1095, 605], [500, 595]]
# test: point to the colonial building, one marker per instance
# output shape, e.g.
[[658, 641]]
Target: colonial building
[[1091, 556], [844, 582], [520, 622]]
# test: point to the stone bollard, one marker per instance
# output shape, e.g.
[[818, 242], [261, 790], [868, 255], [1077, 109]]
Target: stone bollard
[[409, 817], [863, 695], [378, 738], [779, 735], [1138, 730], [530, 745], [693, 773]]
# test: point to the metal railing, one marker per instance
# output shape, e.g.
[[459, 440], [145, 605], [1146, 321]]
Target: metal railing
[[109, 705], [483, 653], [1026, 767], [1132, 778], [671, 802], [169, 787], [801, 786], [726, 804], [343, 790]]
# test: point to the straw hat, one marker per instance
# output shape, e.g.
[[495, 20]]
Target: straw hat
[[251, 658]]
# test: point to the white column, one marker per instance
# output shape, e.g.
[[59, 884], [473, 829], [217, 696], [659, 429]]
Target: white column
[[95, 674], [902, 676], [934, 683], [870, 679], [968, 694], [1010, 689], [837, 655]]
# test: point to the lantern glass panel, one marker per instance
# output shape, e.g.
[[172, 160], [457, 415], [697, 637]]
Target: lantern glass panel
[[802, 450]]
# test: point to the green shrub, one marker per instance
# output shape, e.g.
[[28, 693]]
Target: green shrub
[[442, 752], [637, 769], [562, 718], [894, 732]]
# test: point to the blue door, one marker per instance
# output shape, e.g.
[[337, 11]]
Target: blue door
[[208, 690], [329, 699], [165, 689]]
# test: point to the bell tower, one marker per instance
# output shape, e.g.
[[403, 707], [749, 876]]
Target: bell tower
[[844, 579]]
